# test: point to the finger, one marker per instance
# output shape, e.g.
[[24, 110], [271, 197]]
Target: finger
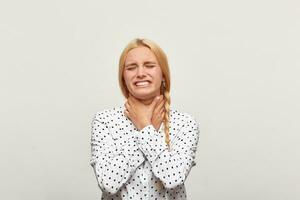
[[126, 100], [162, 109], [161, 99], [127, 105], [156, 100], [155, 111], [163, 116], [156, 104], [126, 113], [161, 104], [158, 107], [159, 115]]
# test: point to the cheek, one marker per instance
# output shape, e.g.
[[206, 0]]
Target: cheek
[[127, 78], [157, 75], [157, 82]]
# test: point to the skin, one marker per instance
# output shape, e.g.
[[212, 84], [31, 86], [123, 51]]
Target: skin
[[145, 105]]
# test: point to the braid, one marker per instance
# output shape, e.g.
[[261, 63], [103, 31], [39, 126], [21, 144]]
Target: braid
[[166, 121], [166, 118]]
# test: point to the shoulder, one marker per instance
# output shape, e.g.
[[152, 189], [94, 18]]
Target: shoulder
[[106, 114], [181, 120], [180, 116]]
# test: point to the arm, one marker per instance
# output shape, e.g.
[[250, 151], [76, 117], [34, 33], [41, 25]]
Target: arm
[[171, 167], [112, 167]]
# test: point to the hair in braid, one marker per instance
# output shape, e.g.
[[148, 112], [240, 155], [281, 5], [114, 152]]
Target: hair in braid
[[166, 118], [165, 86]]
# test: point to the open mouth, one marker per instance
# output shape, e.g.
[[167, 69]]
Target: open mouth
[[142, 83]]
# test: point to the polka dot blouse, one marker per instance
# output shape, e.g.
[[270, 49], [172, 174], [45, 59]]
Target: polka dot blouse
[[136, 164]]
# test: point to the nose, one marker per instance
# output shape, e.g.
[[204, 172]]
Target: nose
[[140, 71]]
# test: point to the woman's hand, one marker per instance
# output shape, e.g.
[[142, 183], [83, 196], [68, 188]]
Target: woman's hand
[[158, 114], [138, 113]]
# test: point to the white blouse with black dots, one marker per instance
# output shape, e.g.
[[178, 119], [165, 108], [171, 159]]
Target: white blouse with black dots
[[133, 164]]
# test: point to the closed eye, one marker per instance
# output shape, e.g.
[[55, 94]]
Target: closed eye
[[130, 68]]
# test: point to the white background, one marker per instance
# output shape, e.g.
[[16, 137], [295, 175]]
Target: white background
[[234, 67]]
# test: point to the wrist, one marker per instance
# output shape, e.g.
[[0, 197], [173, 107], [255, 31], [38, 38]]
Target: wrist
[[144, 125]]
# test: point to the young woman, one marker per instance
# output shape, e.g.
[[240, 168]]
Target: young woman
[[145, 148]]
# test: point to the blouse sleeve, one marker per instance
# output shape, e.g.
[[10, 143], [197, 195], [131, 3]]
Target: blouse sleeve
[[112, 166], [171, 167]]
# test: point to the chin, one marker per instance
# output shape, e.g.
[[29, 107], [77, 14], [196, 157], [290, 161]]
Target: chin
[[143, 95]]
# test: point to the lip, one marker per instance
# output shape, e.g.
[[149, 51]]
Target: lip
[[140, 81]]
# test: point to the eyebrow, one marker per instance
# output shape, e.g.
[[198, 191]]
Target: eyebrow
[[134, 63]]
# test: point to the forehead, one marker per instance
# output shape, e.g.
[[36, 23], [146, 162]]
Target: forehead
[[140, 54]]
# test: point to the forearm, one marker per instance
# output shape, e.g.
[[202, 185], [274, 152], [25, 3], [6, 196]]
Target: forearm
[[171, 167]]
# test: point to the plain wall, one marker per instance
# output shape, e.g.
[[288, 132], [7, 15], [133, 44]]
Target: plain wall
[[235, 67]]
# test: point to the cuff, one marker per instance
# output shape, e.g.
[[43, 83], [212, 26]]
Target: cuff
[[151, 142], [132, 153]]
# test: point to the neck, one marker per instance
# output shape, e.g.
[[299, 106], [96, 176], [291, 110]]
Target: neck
[[147, 101]]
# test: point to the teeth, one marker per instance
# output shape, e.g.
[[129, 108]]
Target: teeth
[[142, 83]]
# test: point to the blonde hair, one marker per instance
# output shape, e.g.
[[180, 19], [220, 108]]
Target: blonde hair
[[165, 88]]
